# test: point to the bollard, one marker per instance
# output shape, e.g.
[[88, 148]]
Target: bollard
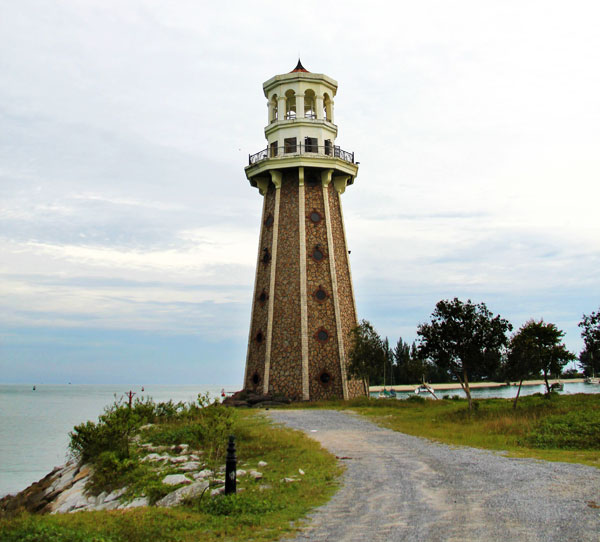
[[230, 467]]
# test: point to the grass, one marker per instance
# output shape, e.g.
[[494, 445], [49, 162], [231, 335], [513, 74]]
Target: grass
[[558, 428], [255, 514]]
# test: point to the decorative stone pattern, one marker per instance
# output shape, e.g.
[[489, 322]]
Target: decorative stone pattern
[[286, 350], [323, 356], [325, 378], [346, 300], [255, 372]]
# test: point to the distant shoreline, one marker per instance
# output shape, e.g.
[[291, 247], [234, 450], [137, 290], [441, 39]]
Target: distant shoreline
[[456, 385]]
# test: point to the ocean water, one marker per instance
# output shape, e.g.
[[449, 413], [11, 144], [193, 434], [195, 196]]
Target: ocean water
[[35, 425]]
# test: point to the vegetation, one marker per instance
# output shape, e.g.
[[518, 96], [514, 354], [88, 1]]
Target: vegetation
[[465, 339], [536, 347], [265, 510], [590, 332], [368, 356]]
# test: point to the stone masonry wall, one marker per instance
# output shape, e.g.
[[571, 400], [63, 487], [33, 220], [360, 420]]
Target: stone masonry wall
[[323, 355], [286, 350], [256, 358]]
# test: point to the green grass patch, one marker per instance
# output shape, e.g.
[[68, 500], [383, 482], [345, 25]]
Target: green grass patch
[[265, 510]]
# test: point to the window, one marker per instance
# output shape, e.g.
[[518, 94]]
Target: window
[[325, 378], [322, 335], [263, 297], [328, 147], [255, 379], [320, 294], [273, 148], [317, 253], [269, 221], [289, 145], [259, 337], [266, 256], [290, 105], [311, 144], [315, 217], [309, 105]]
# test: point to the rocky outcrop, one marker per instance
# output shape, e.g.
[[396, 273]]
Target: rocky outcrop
[[64, 490]]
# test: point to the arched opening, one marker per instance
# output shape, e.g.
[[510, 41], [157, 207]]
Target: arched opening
[[290, 105], [274, 113], [310, 111], [327, 107]]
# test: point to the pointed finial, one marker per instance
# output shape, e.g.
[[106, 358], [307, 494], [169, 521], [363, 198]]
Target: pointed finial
[[299, 68]]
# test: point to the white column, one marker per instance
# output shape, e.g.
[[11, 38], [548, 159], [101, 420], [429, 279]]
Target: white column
[[303, 294], [299, 106], [326, 179], [319, 107], [270, 113], [276, 178], [280, 107]]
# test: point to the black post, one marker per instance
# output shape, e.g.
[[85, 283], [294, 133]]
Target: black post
[[230, 467]]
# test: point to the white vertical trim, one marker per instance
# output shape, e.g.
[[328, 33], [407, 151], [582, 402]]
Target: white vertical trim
[[303, 295], [276, 178], [347, 257], [262, 225], [326, 179]]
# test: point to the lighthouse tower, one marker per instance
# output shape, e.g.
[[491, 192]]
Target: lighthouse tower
[[303, 307]]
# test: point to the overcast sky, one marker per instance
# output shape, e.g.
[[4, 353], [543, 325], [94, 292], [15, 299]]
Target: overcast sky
[[128, 231]]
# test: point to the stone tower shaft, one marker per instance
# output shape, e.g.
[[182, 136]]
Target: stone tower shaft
[[303, 307]]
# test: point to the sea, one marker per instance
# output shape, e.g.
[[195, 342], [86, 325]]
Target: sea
[[35, 424]]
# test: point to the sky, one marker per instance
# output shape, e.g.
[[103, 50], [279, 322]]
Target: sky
[[128, 230]]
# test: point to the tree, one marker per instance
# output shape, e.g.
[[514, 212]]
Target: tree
[[537, 347], [590, 332], [368, 355], [464, 339]]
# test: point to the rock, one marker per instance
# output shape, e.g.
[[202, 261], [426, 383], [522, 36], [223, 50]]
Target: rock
[[147, 426], [71, 499], [179, 495], [135, 503], [301, 472], [240, 473], [180, 448], [206, 473], [115, 494], [289, 480], [218, 481], [189, 466], [155, 457], [264, 487], [255, 474], [195, 457], [217, 491], [175, 479], [179, 459], [262, 464]]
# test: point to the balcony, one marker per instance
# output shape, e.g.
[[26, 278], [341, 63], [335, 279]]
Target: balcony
[[331, 151]]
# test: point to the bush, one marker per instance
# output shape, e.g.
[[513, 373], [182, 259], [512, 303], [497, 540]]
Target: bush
[[571, 430]]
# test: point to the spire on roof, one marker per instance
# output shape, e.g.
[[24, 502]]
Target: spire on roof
[[299, 68]]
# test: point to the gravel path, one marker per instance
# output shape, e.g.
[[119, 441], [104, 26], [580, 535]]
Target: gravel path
[[399, 487]]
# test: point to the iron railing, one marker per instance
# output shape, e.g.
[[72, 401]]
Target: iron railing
[[332, 151]]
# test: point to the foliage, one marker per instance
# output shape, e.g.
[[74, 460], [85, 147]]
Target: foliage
[[589, 357], [464, 339], [574, 430], [537, 347], [368, 355]]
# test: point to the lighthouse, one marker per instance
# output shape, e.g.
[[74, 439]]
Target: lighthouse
[[303, 307]]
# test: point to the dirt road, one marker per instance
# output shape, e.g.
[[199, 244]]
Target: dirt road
[[398, 487]]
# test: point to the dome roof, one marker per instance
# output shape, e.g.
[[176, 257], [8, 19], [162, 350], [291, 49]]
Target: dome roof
[[299, 68]]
